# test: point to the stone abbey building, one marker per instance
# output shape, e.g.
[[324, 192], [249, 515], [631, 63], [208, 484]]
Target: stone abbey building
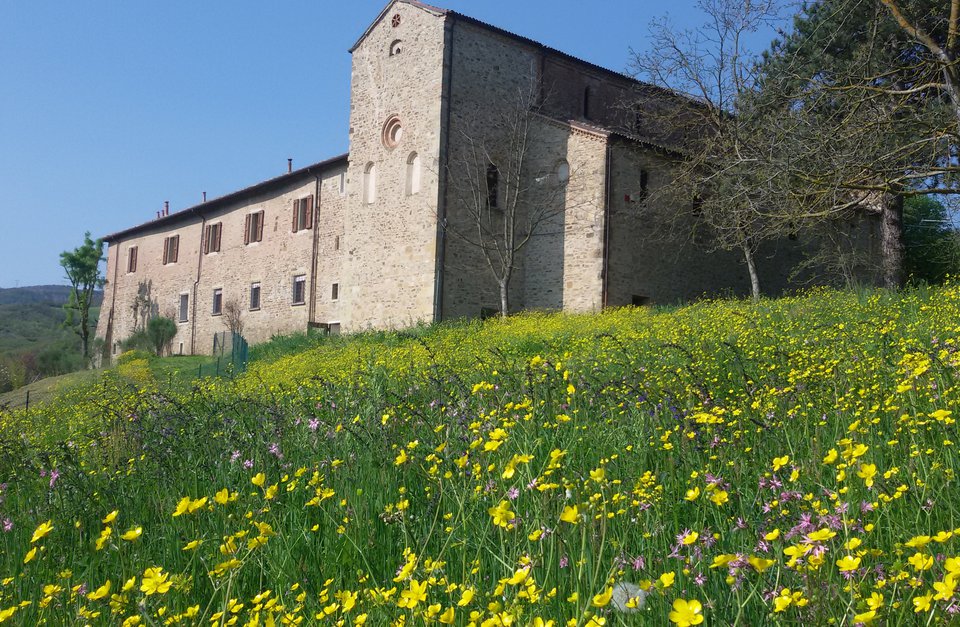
[[381, 236]]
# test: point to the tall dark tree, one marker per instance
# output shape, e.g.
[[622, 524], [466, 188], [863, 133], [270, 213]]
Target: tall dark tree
[[862, 95], [82, 267], [931, 241]]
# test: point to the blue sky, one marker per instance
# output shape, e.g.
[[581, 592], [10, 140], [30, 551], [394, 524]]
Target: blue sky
[[107, 109]]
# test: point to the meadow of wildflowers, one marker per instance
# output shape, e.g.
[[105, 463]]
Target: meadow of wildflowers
[[788, 461]]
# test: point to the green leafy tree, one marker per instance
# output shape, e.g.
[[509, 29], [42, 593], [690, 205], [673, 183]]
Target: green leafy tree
[[160, 331], [82, 266], [932, 243]]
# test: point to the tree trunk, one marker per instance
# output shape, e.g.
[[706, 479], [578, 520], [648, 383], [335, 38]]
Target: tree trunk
[[891, 240], [504, 303], [752, 269]]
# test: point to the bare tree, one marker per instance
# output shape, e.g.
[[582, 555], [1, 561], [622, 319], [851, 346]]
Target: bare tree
[[233, 316], [506, 197], [721, 185]]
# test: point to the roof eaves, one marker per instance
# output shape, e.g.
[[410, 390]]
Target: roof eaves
[[215, 203]]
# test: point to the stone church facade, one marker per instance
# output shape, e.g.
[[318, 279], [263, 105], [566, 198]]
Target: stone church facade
[[380, 237]]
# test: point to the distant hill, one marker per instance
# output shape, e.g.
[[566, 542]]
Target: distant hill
[[49, 294], [32, 335]]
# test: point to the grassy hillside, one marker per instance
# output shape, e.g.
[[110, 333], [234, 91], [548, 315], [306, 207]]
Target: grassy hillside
[[33, 340], [785, 461]]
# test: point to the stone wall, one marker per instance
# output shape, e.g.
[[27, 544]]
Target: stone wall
[[390, 232], [492, 78], [273, 263], [153, 285]]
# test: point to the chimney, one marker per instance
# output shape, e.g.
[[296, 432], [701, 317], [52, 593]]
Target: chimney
[[289, 166], [158, 215], [204, 196], [166, 207]]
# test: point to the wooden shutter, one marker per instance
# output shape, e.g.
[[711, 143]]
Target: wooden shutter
[[219, 233], [166, 248], [296, 215], [246, 229], [260, 227], [205, 247], [176, 248], [309, 210]]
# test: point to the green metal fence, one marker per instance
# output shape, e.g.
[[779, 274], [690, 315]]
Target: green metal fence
[[230, 353]]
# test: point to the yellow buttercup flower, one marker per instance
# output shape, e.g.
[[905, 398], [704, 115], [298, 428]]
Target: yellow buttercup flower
[[100, 592], [570, 514], [132, 534], [41, 531], [155, 581], [602, 599], [686, 613]]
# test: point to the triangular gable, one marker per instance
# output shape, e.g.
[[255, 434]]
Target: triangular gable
[[420, 5]]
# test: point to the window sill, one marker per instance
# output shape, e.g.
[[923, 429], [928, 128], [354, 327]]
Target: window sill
[[254, 309], [217, 315], [298, 304]]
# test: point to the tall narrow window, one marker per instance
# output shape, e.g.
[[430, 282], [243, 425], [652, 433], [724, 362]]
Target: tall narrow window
[[303, 214], [171, 249], [342, 184], [184, 307], [254, 296], [493, 186], [586, 102], [370, 183], [335, 291], [300, 289], [413, 174], [336, 243], [643, 185], [563, 172], [132, 259], [211, 240], [253, 229], [217, 302]]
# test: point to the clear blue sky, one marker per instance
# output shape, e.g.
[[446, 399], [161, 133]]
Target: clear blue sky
[[109, 108]]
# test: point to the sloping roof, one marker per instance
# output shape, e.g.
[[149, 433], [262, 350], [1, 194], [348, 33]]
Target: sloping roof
[[525, 40], [220, 201], [605, 132]]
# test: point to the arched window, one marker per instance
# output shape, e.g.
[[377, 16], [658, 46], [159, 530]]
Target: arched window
[[396, 47], [413, 174], [563, 172], [586, 102], [493, 186], [370, 183]]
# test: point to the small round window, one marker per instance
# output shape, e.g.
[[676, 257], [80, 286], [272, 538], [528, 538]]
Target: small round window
[[392, 132], [395, 21]]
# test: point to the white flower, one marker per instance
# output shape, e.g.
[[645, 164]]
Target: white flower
[[623, 593]]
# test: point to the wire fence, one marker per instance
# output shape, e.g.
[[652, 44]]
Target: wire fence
[[230, 352]]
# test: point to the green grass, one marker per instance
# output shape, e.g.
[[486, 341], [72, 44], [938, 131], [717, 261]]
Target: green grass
[[711, 456]]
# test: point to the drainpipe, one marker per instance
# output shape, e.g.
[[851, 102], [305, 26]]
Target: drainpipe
[[607, 190], [446, 105], [312, 315], [113, 297], [196, 285]]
